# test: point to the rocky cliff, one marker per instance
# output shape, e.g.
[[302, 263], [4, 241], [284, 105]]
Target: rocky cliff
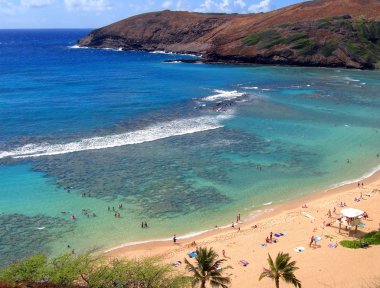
[[332, 33]]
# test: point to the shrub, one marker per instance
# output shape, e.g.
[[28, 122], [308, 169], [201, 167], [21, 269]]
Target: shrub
[[252, 39], [91, 271], [32, 269], [372, 238], [328, 48]]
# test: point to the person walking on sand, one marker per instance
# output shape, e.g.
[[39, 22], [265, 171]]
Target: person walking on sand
[[224, 253], [174, 239], [311, 240], [271, 236]]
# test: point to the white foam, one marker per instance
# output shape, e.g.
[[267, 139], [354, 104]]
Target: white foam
[[76, 46], [151, 133], [365, 176], [351, 79], [173, 53], [250, 88], [223, 95]]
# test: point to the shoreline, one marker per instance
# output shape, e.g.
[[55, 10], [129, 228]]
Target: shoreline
[[255, 215]]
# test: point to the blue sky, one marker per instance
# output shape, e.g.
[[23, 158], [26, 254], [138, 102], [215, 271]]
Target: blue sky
[[97, 13]]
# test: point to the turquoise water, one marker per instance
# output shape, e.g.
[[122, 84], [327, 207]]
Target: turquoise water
[[184, 147]]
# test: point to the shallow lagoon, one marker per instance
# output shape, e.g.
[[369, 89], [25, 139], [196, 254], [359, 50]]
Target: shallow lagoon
[[185, 161]]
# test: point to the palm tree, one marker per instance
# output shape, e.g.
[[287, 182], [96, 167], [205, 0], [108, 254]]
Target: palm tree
[[207, 269], [281, 269]]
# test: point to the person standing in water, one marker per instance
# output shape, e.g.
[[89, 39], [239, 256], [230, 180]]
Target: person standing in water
[[174, 239]]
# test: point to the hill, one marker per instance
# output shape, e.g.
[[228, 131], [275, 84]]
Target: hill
[[332, 33]]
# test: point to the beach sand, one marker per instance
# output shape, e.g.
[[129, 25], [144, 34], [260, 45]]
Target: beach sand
[[320, 266]]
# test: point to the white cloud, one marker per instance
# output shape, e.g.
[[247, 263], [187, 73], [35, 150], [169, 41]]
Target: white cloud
[[262, 6], [182, 5], [88, 5], [35, 3], [167, 4], [225, 5], [7, 7], [10, 7], [240, 3]]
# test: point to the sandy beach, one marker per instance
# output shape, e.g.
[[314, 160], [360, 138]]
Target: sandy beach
[[320, 266]]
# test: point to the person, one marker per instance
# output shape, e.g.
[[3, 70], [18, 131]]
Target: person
[[193, 244], [362, 184], [365, 215], [311, 240], [267, 240], [238, 229], [271, 236], [358, 184], [254, 226], [304, 206], [142, 224], [109, 208], [233, 225], [174, 239], [329, 213], [145, 224]]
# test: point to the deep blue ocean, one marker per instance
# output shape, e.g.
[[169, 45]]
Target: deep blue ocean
[[184, 147]]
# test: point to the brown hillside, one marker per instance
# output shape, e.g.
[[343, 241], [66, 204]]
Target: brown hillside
[[223, 36]]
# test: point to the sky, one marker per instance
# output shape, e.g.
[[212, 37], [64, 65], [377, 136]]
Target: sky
[[97, 13]]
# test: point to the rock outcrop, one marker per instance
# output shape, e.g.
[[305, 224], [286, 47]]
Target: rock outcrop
[[330, 33]]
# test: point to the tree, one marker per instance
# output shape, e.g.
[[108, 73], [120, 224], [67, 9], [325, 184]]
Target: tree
[[283, 269], [31, 269], [207, 269]]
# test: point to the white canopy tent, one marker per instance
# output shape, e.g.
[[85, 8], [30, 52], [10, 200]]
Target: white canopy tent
[[351, 212], [350, 217]]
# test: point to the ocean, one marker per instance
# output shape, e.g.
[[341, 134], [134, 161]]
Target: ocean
[[93, 133]]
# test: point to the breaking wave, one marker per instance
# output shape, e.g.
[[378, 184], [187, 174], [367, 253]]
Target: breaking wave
[[151, 133], [223, 95]]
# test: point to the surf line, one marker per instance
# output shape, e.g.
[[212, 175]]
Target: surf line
[[149, 134]]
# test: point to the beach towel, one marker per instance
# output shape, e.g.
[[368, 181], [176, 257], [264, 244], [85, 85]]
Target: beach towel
[[283, 233], [245, 263], [277, 235], [361, 224], [333, 245], [317, 238], [263, 244], [192, 254], [299, 249], [357, 200]]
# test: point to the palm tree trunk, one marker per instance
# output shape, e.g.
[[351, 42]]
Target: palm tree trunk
[[277, 282]]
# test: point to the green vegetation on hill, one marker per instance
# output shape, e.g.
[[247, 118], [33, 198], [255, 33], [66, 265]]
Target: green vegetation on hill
[[372, 238], [359, 39]]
